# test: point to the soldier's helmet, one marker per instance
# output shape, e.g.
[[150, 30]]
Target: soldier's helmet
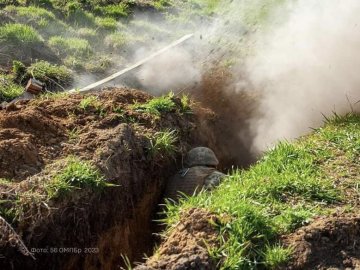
[[201, 156]]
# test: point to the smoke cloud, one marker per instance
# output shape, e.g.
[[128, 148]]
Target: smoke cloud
[[171, 70], [305, 66]]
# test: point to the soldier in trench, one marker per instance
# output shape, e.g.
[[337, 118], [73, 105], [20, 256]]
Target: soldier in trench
[[199, 172]]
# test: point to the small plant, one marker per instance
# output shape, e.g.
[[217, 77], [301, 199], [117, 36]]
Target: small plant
[[185, 104], [90, 101], [117, 10], [19, 70], [158, 105], [8, 89], [76, 174], [73, 134], [51, 96], [163, 143], [161, 4], [19, 34], [276, 255], [116, 40], [72, 46], [106, 23], [86, 33], [50, 74]]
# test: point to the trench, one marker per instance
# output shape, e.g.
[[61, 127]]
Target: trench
[[226, 133], [122, 226]]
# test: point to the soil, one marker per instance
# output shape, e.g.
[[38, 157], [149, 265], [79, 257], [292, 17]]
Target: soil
[[187, 245], [327, 243], [232, 108], [36, 136]]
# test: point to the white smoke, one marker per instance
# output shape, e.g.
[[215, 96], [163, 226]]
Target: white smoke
[[306, 67], [171, 70]]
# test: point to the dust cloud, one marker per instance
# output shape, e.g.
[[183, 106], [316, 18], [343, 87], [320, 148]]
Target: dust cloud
[[305, 66], [171, 70]]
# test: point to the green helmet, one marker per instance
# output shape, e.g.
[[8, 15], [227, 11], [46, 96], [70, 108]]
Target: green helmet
[[201, 156]]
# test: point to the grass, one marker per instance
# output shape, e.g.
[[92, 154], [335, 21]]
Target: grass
[[158, 105], [284, 190], [186, 104], [163, 143], [70, 46], [76, 174], [116, 40], [9, 89], [19, 34], [63, 178], [117, 11], [90, 102], [107, 23], [50, 74], [86, 33]]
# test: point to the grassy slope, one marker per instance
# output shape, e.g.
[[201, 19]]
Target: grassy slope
[[292, 183], [98, 36]]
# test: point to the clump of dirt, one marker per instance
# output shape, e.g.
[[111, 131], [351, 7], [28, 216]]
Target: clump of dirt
[[229, 127], [108, 132], [327, 243], [187, 245]]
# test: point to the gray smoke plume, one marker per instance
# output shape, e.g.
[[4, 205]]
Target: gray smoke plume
[[305, 66]]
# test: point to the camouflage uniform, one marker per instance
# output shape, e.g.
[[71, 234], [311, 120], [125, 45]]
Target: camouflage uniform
[[200, 173]]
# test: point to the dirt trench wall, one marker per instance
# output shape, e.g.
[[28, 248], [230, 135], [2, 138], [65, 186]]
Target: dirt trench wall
[[113, 222]]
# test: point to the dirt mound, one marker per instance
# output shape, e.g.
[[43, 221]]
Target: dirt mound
[[327, 243], [186, 247], [38, 137], [28, 137]]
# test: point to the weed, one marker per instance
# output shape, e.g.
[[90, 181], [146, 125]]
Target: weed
[[9, 89], [117, 10], [50, 74], [185, 104], [163, 143], [116, 40], [157, 105], [106, 23], [19, 70], [19, 34], [86, 33], [90, 102], [276, 255], [98, 64], [72, 46], [76, 174], [161, 4], [73, 134], [51, 96], [127, 262]]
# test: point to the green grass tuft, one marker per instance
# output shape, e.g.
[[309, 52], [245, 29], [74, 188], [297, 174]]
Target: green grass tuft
[[70, 46], [53, 75], [77, 174], [106, 23], [163, 143], [120, 10], [9, 89], [19, 34], [276, 256], [158, 105]]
